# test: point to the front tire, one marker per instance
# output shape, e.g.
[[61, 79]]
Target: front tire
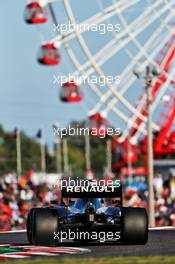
[[134, 226]]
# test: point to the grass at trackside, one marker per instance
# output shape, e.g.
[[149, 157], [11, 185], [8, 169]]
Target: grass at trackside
[[109, 260]]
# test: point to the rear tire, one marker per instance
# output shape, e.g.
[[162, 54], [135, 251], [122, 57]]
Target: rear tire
[[45, 223], [29, 225], [134, 226]]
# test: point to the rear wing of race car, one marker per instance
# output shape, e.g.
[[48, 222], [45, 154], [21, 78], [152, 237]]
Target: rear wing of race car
[[112, 189]]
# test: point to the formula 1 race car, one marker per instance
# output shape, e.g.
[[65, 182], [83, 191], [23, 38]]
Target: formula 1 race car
[[95, 214]]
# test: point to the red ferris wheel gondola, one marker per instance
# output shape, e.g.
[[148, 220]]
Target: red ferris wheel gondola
[[49, 55], [70, 92], [98, 124], [35, 13]]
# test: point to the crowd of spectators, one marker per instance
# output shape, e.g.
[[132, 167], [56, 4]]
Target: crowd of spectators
[[17, 197], [136, 195]]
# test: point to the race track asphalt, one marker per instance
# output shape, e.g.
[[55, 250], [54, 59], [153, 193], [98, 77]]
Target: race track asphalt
[[160, 242]]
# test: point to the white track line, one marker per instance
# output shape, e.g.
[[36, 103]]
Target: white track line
[[162, 228], [13, 231]]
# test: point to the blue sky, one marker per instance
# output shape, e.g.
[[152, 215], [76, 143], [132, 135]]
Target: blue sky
[[28, 98]]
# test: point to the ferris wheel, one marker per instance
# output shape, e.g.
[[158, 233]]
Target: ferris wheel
[[96, 46]]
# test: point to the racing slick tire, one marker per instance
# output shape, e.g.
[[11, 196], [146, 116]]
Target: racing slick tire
[[29, 225], [45, 223], [134, 226]]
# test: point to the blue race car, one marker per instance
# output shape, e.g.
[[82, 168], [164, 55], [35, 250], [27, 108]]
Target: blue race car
[[96, 214]]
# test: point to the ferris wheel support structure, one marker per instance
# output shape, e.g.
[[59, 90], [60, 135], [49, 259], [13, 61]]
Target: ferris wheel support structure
[[156, 10], [95, 66], [145, 120], [93, 86]]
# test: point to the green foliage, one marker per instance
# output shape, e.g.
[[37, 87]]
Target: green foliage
[[77, 152], [76, 160], [30, 150], [31, 157]]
